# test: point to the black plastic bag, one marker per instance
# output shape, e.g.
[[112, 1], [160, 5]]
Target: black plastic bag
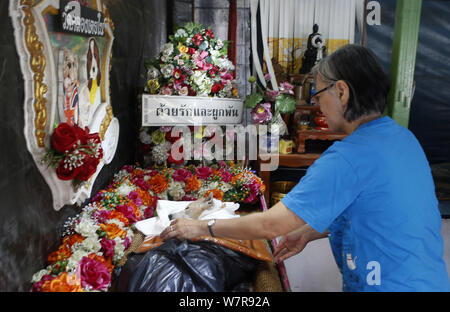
[[185, 266]]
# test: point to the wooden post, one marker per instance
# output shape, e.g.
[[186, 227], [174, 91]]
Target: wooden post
[[404, 49]]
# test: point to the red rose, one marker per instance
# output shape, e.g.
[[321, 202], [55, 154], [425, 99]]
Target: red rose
[[209, 33], [64, 137], [191, 51], [216, 87], [64, 172], [82, 134], [191, 92], [197, 39], [145, 148], [88, 168]]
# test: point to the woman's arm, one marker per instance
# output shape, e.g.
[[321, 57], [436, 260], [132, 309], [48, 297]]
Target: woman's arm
[[276, 221], [294, 242]]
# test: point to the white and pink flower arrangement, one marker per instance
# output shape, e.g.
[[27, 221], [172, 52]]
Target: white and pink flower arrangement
[[192, 63], [95, 241]]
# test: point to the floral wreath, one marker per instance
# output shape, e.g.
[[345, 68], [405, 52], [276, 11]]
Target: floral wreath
[[95, 241], [192, 63]]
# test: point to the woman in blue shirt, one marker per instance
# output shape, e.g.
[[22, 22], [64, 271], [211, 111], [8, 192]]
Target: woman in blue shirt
[[372, 193]]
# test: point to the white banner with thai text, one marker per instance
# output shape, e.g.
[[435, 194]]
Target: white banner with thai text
[[166, 110]]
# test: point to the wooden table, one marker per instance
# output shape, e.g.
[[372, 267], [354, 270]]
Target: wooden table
[[303, 135]]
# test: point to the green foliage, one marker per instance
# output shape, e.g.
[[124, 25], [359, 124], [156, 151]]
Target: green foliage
[[285, 103], [252, 100]]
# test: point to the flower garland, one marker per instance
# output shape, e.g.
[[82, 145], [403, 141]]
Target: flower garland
[[74, 152], [192, 63], [95, 241]]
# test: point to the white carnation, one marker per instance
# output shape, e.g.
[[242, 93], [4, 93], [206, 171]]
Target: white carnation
[[176, 190], [124, 189], [38, 275], [167, 49], [167, 70], [91, 244], [180, 33], [86, 227], [75, 258], [119, 249]]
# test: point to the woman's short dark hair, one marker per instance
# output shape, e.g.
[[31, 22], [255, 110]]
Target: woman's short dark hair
[[360, 69]]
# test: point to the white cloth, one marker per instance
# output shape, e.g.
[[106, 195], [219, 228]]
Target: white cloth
[[154, 226]]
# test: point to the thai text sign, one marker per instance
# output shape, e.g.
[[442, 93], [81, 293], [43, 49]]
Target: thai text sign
[[79, 19], [166, 110]]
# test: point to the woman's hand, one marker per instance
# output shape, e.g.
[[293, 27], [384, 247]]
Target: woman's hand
[[294, 242], [185, 229]]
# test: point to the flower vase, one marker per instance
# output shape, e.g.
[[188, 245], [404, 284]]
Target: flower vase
[[277, 121]]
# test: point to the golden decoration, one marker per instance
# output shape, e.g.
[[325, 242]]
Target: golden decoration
[[37, 64], [106, 121]]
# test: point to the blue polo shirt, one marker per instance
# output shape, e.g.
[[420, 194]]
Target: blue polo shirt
[[374, 192]]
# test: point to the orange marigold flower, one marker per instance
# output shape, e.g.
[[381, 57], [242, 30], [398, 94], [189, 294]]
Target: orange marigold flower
[[62, 253], [158, 183], [119, 216], [113, 230], [63, 283], [192, 184], [137, 172], [146, 197], [217, 194], [236, 177], [70, 240], [106, 262]]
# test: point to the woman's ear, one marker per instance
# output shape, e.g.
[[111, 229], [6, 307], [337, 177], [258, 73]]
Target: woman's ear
[[343, 93]]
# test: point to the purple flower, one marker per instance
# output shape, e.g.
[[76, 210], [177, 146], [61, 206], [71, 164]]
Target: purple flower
[[108, 246], [134, 196], [94, 274], [203, 172], [128, 212], [271, 95], [188, 198], [101, 215], [141, 183], [226, 176], [149, 212], [254, 191], [261, 113], [286, 87], [126, 242], [181, 175]]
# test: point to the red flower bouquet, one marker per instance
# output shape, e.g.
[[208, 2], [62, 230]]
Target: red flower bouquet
[[74, 152]]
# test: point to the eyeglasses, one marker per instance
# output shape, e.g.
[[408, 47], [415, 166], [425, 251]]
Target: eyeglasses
[[324, 89]]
